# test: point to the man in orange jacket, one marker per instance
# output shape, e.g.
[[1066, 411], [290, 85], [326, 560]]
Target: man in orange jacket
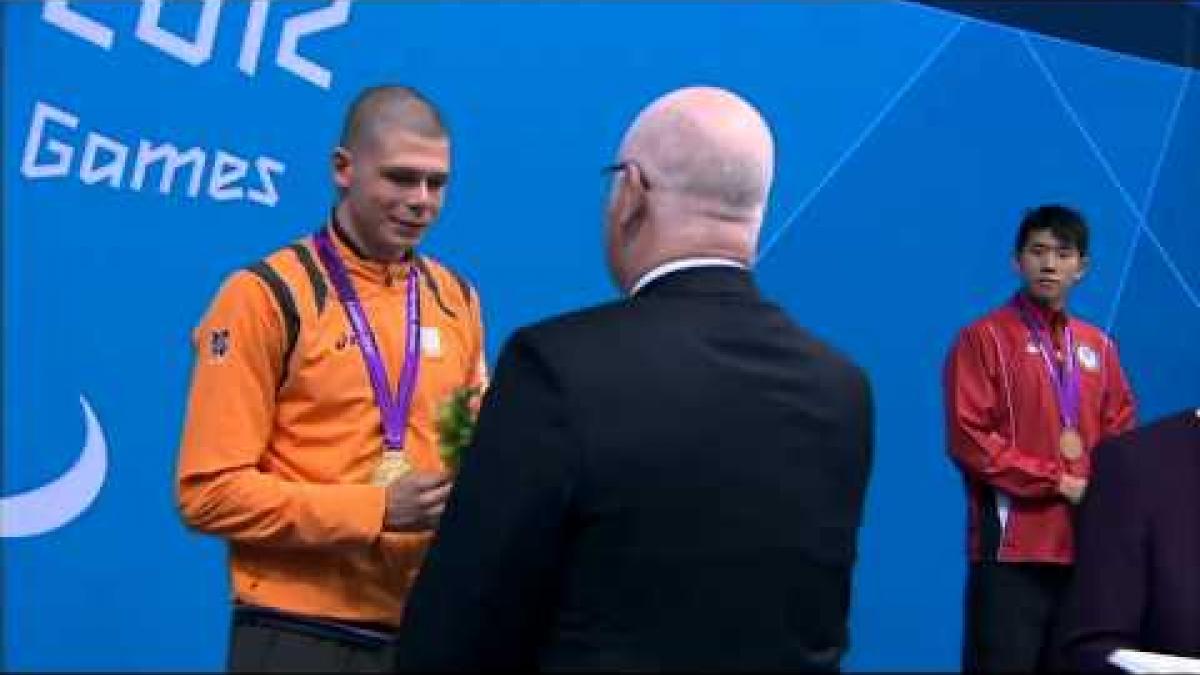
[[310, 441], [1030, 390]]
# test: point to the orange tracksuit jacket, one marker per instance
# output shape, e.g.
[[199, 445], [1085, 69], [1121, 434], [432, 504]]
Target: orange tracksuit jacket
[[282, 428]]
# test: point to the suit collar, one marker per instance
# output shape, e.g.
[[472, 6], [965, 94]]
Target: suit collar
[[682, 264], [702, 280]]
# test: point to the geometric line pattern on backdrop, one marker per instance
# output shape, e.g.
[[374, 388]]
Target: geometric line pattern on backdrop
[[1148, 200], [1138, 214], [861, 139]]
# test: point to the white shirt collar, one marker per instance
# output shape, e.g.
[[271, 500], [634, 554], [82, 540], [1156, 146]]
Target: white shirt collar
[[682, 264]]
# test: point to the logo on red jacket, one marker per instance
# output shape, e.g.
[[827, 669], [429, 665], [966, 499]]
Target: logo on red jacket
[[1087, 357]]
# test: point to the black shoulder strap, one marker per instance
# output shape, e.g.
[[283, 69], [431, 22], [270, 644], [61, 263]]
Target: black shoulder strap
[[423, 266], [320, 288], [287, 306], [464, 286]]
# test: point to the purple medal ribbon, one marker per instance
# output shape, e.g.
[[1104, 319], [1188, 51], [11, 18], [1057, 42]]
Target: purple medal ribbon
[[1064, 379], [393, 411]]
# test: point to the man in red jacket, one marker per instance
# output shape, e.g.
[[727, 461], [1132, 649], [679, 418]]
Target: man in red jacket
[[1029, 392]]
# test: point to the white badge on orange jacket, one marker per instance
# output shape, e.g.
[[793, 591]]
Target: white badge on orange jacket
[[431, 342]]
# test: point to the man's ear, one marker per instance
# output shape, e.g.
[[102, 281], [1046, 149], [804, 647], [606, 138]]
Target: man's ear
[[631, 201], [343, 168]]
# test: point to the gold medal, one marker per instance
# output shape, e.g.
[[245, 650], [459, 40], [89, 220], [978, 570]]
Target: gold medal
[[1070, 443], [391, 466]]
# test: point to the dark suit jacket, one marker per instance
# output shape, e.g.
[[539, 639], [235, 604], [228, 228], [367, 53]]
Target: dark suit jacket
[[673, 481], [1137, 576]]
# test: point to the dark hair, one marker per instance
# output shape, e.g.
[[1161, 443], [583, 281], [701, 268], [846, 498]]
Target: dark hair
[[1066, 224], [389, 104]]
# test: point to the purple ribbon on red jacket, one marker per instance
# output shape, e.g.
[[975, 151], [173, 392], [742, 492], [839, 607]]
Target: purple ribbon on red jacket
[[393, 410], [1065, 379]]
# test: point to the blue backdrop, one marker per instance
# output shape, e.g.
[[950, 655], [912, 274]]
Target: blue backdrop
[[909, 141]]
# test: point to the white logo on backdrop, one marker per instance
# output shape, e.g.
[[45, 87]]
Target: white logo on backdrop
[[105, 159], [199, 49], [62, 500]]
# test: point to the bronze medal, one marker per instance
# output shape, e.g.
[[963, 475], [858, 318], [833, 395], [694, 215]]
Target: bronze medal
[[1070, 443]]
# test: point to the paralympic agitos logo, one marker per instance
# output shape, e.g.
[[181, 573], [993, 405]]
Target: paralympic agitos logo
[[50, 506]]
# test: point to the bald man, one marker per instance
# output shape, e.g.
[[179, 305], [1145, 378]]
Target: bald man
[[671, 481], [310, 444]]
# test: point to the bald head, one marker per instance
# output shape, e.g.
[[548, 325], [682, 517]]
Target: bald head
[[698, 165], [709, 146], [382, 108]]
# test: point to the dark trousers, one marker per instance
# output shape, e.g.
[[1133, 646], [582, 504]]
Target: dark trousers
[[1011, 609], [263, 644]]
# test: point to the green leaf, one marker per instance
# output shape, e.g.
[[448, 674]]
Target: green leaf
[[455, 422]]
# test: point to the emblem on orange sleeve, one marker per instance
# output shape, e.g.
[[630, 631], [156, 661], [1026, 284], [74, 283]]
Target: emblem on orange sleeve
[[218, 343]]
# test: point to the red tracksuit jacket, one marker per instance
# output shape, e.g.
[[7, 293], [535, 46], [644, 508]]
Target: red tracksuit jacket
[[1003, 428]]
